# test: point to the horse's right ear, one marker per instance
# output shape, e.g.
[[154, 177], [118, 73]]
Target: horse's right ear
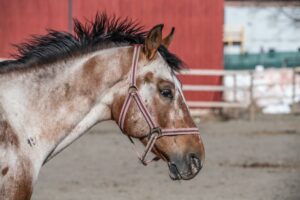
[[167, 40], [153, 41]]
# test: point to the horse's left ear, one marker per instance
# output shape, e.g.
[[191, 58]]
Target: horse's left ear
[[153, 41], [167, 40]]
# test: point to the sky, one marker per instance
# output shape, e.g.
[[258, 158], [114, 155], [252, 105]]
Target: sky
[[265, 28]]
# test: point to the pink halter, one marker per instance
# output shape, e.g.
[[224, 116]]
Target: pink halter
[[155, 131]]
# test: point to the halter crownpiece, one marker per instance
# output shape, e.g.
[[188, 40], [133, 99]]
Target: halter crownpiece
[[155, 130]]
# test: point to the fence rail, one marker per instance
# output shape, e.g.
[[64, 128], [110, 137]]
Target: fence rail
[[213, 88], [211, 72], [210, 104]]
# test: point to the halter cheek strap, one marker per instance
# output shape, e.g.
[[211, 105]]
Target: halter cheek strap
[[155, 131]]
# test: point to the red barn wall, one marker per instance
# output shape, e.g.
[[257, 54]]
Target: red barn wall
[[198, 37], [21, 18]]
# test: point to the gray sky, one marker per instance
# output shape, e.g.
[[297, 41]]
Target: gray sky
[[265, 28]]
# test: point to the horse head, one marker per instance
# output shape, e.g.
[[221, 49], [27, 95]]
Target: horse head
[[153, 109]]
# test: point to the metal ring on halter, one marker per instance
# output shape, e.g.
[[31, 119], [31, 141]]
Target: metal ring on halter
[[132, 89], [155, 130]]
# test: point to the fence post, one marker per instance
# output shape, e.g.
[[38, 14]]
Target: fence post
[[234, 88], [294, 86], [252, 102]]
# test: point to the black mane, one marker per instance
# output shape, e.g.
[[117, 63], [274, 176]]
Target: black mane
[[103, 32]]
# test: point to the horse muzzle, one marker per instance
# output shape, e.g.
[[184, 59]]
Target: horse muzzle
[[184, 167]]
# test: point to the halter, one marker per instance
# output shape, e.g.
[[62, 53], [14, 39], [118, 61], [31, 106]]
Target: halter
[[155, 131]]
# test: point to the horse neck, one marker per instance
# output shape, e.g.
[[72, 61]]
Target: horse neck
[[54, 105]]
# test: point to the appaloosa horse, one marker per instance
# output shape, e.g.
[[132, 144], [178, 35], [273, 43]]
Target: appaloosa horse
[[60, 85]]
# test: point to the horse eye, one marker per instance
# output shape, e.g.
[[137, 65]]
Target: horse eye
[[167, 93]]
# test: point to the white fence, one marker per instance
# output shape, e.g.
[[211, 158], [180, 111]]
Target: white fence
[[249, 88]]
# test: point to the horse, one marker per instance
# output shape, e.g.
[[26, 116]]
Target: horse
[[61, 84]]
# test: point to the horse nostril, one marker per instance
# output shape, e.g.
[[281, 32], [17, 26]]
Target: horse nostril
[[195, 163]]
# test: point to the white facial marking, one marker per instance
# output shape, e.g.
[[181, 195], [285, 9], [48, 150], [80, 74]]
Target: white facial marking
[[159, 68]]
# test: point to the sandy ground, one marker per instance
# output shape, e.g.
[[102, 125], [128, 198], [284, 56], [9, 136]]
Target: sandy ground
[[244, 160]]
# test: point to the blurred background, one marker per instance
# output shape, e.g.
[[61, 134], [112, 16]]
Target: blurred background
[[242, 86]]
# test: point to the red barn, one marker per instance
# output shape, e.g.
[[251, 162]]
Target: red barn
[[198, 37]]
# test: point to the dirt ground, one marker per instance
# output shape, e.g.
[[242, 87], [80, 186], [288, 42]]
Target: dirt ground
[[244, 160]]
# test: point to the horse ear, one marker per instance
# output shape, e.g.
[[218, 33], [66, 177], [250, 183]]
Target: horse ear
[[167, 40], [153, 41]]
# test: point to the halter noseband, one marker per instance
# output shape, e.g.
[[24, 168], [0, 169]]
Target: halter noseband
[[155, 131]]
